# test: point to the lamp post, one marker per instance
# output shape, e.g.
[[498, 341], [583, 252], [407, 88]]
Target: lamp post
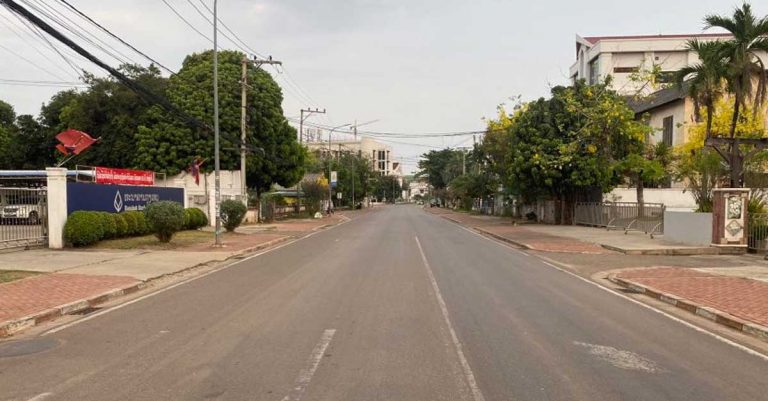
[[330, 189], [217, 165]]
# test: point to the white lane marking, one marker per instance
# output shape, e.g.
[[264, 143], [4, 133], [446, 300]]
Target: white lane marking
[[701, 330], [476, 393], [189, 280], [621, 359], [40, 397], [305, 376]]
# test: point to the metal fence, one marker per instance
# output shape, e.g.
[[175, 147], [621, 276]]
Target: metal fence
[[757, 232], [627, 216], [23, 217]]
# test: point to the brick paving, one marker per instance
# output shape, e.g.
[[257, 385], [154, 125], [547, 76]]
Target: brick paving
[[35, 294], [740, 297], [235, 242]]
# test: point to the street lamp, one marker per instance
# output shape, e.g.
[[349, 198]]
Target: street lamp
[[217, 175], [329, 162]]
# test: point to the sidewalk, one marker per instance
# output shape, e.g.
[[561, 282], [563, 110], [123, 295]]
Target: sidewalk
[[575, 239], [735, 297], [74, 280]]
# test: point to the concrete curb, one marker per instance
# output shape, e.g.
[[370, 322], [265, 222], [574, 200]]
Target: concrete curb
[[706, 312], [14, 326], [11, 327], [673, 251]]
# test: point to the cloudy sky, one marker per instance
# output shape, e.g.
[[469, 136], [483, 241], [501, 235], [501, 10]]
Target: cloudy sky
[[414, 65]]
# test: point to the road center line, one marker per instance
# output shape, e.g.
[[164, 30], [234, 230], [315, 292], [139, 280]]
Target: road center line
[[476, 393], [305, 376], [40, 397]]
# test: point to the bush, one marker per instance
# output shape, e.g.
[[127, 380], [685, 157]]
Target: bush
[[108, 225], [164, 218], [121, 224], [194, 218], [83, 228], [142, 228], [131, 223], [232, 214]]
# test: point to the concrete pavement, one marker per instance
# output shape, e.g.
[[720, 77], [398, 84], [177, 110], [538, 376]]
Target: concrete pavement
[[353, 313]]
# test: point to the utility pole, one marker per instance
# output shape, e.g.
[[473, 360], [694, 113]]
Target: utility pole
[[217, 166], [243, 102], [302, 118]]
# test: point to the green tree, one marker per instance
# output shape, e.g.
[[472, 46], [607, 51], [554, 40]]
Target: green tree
[[387, 187], [440, 167], [168, 144], [7, 117], [750, 38]]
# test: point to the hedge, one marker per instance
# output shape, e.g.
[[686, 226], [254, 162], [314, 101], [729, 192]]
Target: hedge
[[84, 228], [194, 218], [131, 224], [108, 225], [122, 225]]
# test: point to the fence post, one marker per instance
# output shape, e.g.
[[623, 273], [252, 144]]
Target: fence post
[[57, 205]]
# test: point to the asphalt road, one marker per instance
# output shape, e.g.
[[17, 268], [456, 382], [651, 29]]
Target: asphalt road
[[394, 305]]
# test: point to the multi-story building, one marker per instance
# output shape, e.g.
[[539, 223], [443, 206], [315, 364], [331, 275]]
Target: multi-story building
[[380, 155]]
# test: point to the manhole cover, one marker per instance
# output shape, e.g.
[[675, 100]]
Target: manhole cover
[[26, 347]]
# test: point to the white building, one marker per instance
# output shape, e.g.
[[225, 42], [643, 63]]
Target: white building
[[620, 56], [381, 155]]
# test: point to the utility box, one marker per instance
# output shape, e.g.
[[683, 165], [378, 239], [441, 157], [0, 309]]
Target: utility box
[[729, 217]]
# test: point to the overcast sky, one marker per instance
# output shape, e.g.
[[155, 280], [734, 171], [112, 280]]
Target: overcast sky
[[414, 65]]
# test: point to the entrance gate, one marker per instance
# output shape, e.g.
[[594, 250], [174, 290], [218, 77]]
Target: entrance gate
[[23, 216]]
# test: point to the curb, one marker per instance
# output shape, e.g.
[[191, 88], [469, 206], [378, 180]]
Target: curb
[[505, 239], [706, 312], [14, 326], [11, 327], [671, 251]]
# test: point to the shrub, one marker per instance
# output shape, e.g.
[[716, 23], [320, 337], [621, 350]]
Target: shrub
[[107, 225], [202, 218], [164, 218], [197, 218], [232, 214], [83, 228], [121, 224], [142, 228], [131, 223]]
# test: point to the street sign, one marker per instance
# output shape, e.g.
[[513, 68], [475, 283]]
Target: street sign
[[338, 195], [334, 179]]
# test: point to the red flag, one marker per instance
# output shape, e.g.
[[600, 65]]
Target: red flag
[[74, 142], [194, 169]]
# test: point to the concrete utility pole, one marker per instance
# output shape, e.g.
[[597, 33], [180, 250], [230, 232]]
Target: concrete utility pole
[[302, 118], [243, 102], [217, 166]]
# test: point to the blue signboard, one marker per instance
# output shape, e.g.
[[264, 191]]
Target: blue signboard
[[117, 198]]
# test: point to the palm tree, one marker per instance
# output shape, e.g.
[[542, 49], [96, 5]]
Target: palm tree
[[750, 36], [704, 80]]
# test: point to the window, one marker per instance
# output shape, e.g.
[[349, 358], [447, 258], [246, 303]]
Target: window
[[626, 70], [667, 132], [594, 71]]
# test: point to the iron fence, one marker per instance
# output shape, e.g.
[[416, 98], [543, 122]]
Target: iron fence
[[757, 232], [627, 216], [23, 217]]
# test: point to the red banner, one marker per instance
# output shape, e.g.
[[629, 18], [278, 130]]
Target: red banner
[[106, 175]]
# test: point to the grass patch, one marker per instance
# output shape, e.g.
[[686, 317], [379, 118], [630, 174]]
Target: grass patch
[[7, 276], [180, 240]]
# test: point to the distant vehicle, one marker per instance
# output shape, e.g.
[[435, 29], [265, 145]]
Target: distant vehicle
[[21, 205]]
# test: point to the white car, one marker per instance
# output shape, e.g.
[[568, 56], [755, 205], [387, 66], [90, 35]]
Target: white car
[[18, 204]]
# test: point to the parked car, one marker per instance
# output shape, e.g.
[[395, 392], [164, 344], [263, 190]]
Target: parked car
[[21, 205]]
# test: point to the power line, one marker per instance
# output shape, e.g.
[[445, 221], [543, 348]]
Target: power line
[[36, 65], [108, 32], [413, 135], [22, 82], [231, 32], [187, 22]]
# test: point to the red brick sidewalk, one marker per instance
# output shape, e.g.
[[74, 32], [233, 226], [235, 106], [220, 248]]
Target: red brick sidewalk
[[36, 294], [743, 298]]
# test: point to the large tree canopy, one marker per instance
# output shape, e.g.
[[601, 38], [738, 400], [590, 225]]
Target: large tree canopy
[[169, 143]]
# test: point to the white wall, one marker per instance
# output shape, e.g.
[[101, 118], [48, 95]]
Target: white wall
[[203, 196], [673, 198]]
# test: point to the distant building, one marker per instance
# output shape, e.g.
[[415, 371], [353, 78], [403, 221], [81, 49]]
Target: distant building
[[380, 155]]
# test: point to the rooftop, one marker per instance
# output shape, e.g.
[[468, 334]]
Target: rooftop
[[594, 39]]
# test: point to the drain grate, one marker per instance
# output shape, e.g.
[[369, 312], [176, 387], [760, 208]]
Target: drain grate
[[86, 311], [628, 290]]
